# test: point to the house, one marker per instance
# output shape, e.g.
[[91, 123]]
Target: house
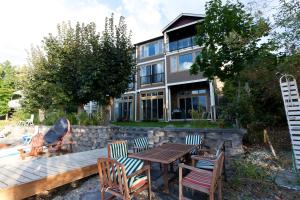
[[163, 88]]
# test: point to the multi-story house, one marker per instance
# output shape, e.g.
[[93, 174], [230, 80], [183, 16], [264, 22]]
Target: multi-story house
[[164, 89]]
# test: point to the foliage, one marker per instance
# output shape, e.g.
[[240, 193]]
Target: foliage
[[229, 36], [287, 25], [21, 115], [78, 65], [7, 85]]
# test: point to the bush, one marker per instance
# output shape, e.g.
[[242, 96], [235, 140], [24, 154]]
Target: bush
[[52, 116], [21, 115]]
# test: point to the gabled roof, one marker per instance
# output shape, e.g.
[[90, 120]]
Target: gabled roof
[[183, 18]]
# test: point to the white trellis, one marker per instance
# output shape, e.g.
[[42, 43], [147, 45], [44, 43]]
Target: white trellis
[[290, 95]]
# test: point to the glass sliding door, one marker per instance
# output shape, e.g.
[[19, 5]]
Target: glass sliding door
[[152, 106], [123, 108]]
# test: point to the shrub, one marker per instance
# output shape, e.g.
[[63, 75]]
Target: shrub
[[52, 116]]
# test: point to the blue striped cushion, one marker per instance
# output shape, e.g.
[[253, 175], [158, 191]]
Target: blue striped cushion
[[118, 150], [204, 164], [132, 165], [141, 143]]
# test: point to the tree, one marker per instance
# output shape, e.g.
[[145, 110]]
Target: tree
[[229, 37], [78, 65], [7, 85], [287, 25]]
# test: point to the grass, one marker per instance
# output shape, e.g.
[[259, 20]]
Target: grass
[[177, 124]]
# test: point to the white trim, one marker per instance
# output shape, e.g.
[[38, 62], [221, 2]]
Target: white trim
[[182, 14], [130, 92], [150, 61], [185, 25], [197, 47], [152, 88], [186, 82]]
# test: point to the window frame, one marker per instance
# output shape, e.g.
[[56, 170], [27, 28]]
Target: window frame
[[145, 48], [177, 67], [152, 75]]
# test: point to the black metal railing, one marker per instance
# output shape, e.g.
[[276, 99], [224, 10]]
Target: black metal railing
[[154, 78], [181, 44]]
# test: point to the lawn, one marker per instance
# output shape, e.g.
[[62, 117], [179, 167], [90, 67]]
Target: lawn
[[177, 124]]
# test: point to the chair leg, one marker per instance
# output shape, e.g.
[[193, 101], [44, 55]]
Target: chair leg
[[211, 196], [149, 185], [220, 189], [180, 184], [102, 194]]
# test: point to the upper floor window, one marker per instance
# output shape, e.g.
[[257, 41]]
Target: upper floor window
[[182, 62], [151, 49], [152, 73]]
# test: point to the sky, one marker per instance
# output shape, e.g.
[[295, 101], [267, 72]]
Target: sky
[[26, 23]]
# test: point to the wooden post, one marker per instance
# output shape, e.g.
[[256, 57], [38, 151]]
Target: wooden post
[[267, 140]]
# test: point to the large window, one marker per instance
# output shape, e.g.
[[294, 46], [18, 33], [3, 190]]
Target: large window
[[188, 101], [151, 49], [182, 62], [124, 108], [152, 73], [152, 106]]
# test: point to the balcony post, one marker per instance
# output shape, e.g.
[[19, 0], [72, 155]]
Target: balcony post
[[212, 101]]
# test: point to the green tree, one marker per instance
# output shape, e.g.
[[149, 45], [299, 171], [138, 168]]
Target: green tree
[[7, 85], [230, 39], [287, 26], [78, 65]]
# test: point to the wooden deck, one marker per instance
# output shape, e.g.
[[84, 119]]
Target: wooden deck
[[23, 179]]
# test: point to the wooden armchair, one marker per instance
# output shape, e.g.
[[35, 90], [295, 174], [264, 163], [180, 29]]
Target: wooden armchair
[[140, 144], [121, 180], [203, 180], [194, 140], [117, 149]]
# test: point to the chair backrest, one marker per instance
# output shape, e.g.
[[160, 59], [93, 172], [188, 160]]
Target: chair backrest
[[113, 177], [117, 149], [31, 118], [193, 139], [217, 170], [142, 143]]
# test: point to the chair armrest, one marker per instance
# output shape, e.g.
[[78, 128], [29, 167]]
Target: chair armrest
[[197, 157], [161, 143], [184, 166], [140, 171]]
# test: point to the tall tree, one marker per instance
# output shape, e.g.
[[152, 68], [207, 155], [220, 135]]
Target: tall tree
[[7, 85], [77, 65], [287, 26]]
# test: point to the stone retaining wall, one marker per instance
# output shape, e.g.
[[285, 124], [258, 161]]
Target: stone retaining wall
[[92, 137]]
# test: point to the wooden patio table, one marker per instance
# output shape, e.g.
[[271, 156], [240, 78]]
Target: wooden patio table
[[165, 154]]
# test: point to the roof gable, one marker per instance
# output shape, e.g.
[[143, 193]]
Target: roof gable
[[183, 19]]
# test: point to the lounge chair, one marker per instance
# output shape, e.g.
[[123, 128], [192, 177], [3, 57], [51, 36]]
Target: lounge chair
[[27, 122], [123, 181], [203, 180], [140, 144], [53, 140]]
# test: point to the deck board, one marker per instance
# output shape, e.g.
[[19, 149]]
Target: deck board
[[22, 179]]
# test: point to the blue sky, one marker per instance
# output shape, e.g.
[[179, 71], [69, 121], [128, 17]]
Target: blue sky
[[25, 23]]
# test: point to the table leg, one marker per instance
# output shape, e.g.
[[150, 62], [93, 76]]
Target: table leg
[[166, 179], [172, 167]]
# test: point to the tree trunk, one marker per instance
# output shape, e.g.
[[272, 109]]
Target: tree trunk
[[237, 121], [80, 109], [41, 115], [107, 111]]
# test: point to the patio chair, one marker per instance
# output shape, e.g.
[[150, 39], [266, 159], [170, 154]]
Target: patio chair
[[202, 161], [27, 122], [123, 181], [203, 180], [54, 140], [117, 149], [194, 140], [140, 144]]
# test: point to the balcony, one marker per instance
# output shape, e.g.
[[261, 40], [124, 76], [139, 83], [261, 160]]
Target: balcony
[[181, 44], [155, 78]]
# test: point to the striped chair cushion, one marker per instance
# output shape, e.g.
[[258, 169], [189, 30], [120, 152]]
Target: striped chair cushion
[[141, 143], [198, 179], [118, 150], [193, 140], [204, 164], [132, 165]]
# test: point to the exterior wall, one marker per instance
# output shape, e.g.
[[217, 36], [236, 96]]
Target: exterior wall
[[180, 76]]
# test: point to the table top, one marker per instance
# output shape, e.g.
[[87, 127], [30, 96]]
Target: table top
[[166, 153]]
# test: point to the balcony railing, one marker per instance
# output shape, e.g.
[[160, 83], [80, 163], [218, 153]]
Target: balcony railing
[[155, 78], [181, 44]]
